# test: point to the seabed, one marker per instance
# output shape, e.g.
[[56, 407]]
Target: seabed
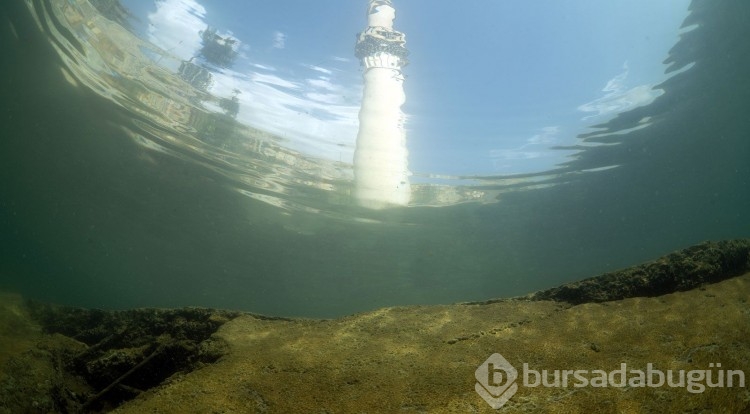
[[683, 311]]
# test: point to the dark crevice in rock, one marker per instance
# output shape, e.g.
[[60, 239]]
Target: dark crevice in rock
[[113, 356]]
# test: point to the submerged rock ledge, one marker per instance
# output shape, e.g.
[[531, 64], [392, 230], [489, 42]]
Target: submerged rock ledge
[[708, 262]]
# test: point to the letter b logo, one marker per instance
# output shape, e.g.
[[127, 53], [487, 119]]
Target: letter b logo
[[496, 380]]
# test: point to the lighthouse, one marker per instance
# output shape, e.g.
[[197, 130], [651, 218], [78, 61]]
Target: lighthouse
[[381, 174]]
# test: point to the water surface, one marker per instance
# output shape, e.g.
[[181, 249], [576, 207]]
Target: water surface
[[127, 180]]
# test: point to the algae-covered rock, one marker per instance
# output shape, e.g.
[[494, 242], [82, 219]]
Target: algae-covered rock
[[92, 360], [424, 359], [709, 262]]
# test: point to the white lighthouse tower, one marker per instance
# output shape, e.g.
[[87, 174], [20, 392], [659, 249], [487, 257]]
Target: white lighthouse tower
[[380, 160]]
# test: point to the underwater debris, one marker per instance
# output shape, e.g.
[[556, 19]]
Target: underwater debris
[[686, 269]]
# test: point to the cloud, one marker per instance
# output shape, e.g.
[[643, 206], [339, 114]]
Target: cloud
[[307, 108], [618, 98], [323, 90], [274, 81], [548, 135], [321, 70], [534, 147], [309, 112], [263, 67], [323, 83], [175, 27], [279, 40]]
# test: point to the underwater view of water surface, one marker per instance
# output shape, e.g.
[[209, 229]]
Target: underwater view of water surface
[[314, 159]]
